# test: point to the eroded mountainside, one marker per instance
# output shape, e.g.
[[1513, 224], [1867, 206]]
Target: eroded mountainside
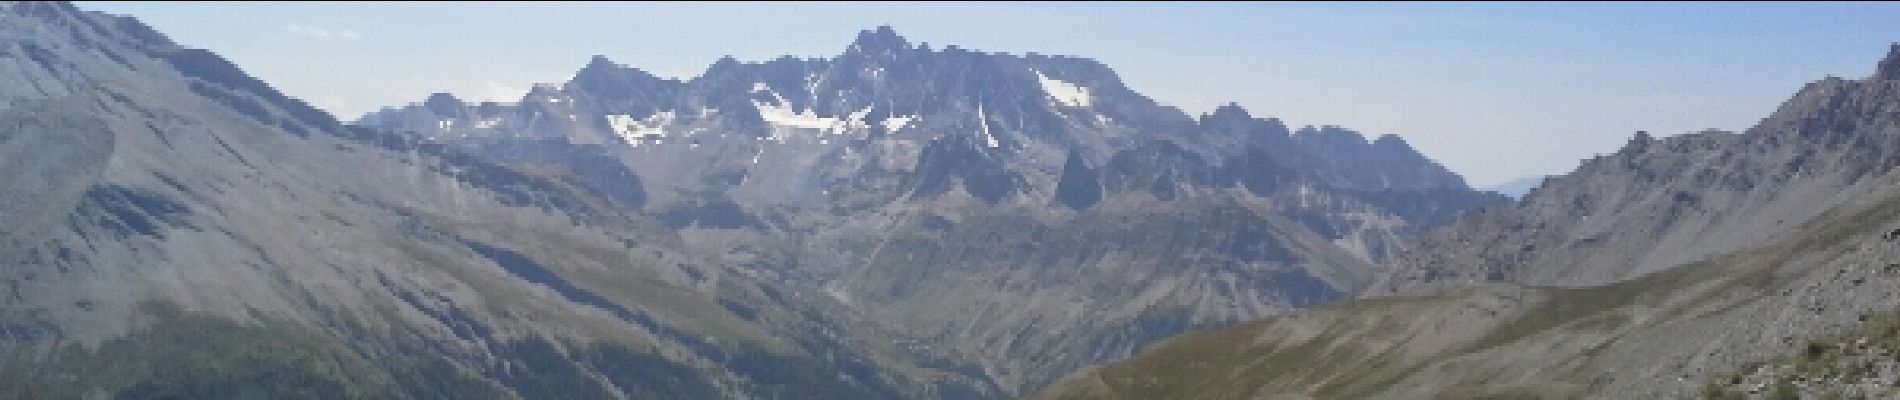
[[1677, 267]]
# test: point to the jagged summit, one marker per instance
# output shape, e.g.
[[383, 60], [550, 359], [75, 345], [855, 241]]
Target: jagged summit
[[600, 61], [882, 38], [1638, 142], [618, 84], [1232, 119], [1332, 134], [1889, 68], [1391, 141], [600, 67], [444, 104], [597, 65], [1227, 112], [724, 62]]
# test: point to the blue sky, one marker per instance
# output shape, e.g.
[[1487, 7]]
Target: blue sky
[[1495, 91]]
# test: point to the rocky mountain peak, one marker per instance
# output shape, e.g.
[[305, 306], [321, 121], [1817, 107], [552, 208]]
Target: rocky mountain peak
[[724, 62], [1391, 141], [1639, 142], [614, 83], [597, 67], [880, 39], [599, 62], [1390, 146], [1227, 112], [443, 104], [1330, 135], [1890, 66], [1387, 162], [1236, 124]]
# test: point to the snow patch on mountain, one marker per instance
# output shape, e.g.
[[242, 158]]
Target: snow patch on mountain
[[1064, 93], [896, 122], [983, 119], [780, 114], [632, 129], [783, 115]]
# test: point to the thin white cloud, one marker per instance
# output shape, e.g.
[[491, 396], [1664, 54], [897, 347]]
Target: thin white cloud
[[321, 32]]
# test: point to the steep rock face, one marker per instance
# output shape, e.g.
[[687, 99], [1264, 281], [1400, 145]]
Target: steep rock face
[[1674, 268], [177, 228], [921, 185]]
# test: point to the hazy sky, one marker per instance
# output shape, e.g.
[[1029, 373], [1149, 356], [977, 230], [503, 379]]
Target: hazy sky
[[1493, 91]]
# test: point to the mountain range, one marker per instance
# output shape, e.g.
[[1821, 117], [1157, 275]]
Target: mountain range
[[1028, 212], [899, 221], [893, 222]]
